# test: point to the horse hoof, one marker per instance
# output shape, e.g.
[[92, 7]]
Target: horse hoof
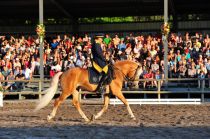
[[133, 118], [49, 118], [87, 121], [93, 118]]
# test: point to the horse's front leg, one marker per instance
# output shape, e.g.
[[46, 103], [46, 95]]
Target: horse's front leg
[[122, 98], [116, 90], [106, 103]]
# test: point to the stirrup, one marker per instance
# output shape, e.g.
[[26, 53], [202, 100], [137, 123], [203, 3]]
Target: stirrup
[[100, 90]]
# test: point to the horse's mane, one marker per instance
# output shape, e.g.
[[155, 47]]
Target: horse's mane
[[124, 62]]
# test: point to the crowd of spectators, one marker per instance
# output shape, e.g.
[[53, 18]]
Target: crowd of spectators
[[188, 55]]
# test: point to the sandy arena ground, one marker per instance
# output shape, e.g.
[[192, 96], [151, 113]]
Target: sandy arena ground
[[17, 120]]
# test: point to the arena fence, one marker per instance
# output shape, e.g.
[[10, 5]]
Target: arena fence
[[193, 101], [174, 86]]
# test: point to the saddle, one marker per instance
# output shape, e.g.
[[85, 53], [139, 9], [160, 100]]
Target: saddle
[[95, 76]]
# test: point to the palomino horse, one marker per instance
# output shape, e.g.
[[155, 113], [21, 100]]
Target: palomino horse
[[73, 78]]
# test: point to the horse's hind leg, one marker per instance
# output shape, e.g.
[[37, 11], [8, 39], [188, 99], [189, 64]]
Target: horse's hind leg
[[119, 94], [77, 105], [106, 103], [57, 102]]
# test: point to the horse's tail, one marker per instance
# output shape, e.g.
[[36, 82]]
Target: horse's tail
[[49, 93]]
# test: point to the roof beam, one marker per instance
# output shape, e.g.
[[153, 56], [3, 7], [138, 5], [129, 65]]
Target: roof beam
[[171, 4], [61, 8]]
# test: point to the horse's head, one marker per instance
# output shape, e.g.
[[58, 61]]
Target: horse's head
[[130, 69]]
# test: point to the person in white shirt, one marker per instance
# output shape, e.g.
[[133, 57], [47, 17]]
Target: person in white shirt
[[28, 73]]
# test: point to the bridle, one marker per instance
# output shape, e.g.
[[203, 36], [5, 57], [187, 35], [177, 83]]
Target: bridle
[[126, 76]]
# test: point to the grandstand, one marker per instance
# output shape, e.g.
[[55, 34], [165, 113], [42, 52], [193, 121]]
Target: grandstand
[[123, 17]]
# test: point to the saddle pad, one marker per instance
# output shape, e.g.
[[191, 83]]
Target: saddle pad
[[94, 76]]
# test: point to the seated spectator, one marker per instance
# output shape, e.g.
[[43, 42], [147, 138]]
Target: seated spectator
[[201, 76], [5, 71], [19, 84], [10, 84], [17, 70], [182, 70], [148, 75], [54, 69], [1, 78], [155, 66], [80, 61], [27, 72], [172, 68], [158, 75], [88, 63], [17, 63], [192, 72]]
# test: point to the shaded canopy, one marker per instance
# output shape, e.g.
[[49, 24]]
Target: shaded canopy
[[29, 9]]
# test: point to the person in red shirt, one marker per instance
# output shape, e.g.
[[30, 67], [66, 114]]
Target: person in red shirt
[[148, 75]]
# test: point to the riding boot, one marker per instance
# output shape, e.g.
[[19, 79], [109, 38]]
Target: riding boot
[[100, 87]]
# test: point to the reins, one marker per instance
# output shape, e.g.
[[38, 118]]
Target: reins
[[125, 76]]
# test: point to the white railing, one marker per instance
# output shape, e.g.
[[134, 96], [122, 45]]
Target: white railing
[[157, 101]]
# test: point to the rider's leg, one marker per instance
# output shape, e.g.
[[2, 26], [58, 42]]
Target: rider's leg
[[100, 87]]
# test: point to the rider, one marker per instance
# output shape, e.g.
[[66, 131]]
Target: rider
[[100, 61]]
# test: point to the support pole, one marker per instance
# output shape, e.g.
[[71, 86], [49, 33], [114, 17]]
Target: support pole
[[165, 43], [41, 21]]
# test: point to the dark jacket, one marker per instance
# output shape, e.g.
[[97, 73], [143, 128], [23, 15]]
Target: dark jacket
[[98, 56]]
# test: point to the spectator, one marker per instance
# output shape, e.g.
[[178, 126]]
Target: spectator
[[155, 66], [201, 76], [107, 39], [1, 78], [27, 72], [148, 75], [182, 70], [5, 71], [192, 71], [10, 84], [20, 76], [158, 75], [16, 53]]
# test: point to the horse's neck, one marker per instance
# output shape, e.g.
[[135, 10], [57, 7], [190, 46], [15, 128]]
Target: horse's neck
[[126, 66]]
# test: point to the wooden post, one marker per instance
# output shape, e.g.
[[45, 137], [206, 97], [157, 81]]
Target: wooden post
[[159, 89], [188, 95], [202, 90], [40, 89], [19, 96]]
